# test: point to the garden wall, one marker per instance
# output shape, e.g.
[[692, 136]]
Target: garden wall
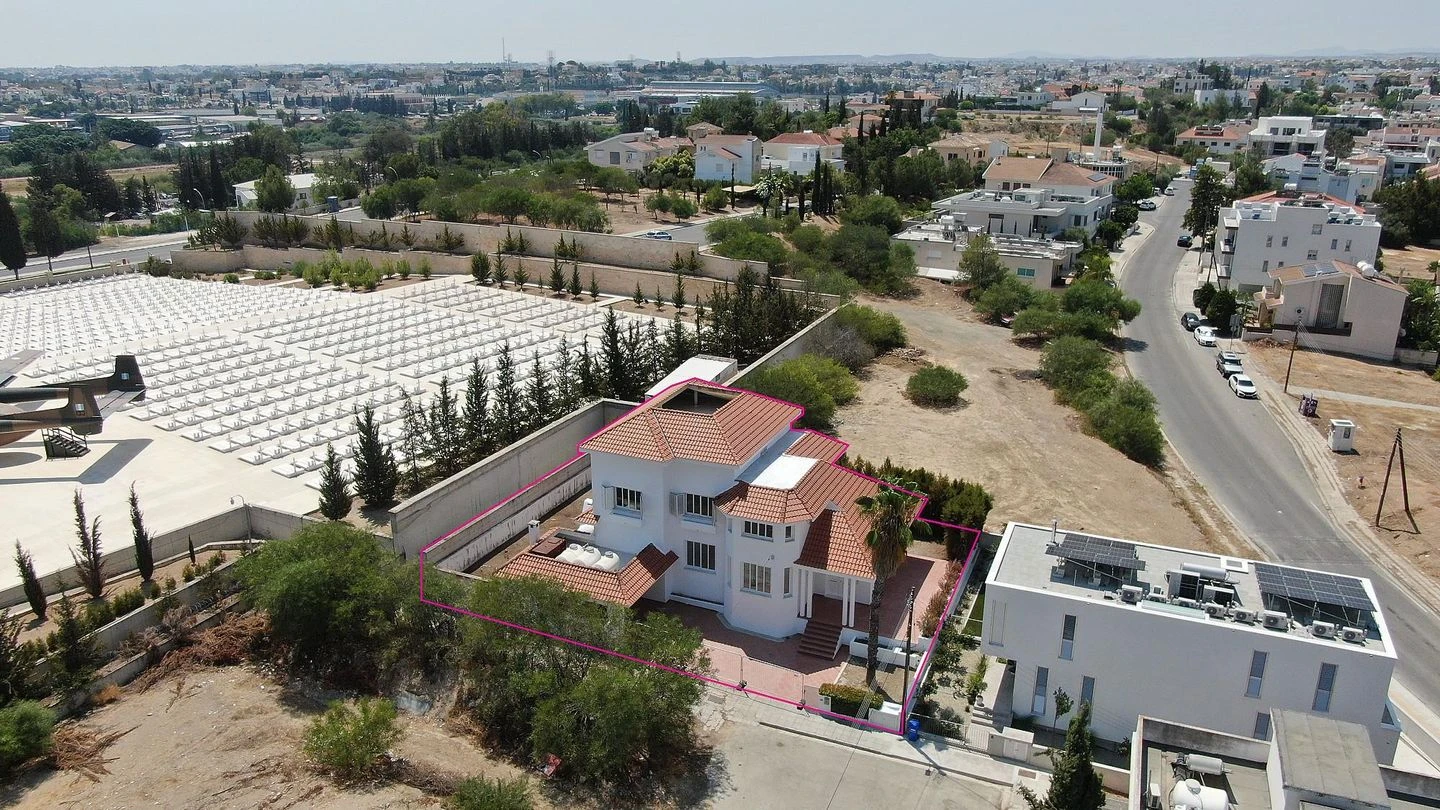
[[44, 279], [452, 504], [806, 340], [627, 251]]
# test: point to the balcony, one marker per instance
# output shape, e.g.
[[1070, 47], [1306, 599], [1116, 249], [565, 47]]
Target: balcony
[[1227, 246]]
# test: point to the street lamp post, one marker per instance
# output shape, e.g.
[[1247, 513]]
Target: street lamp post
[[909, 639]]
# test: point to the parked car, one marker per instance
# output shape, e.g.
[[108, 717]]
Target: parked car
[[1146, 205], [1190, 320], [1185, 240], [1169, 191], [665, 235], [1243, 386], [1226, 358], [1205, 335], [1228, 369]]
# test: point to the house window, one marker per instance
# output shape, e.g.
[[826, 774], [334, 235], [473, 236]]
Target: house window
[[1316, 229], [1269, 240], [1312, 255], [699, 507], [1265, 266], [763, 531], [614, 158], [1037, 699], [1262, 726], [1347, 245], [1334, 244], [1324, 688], [1025, 272], [1257, 674], [755, 578], [1284, 241], [1067, 638], [787, 583], [1077, 220], [789, 534], [700, 556], [627, 500], [1087, 692]]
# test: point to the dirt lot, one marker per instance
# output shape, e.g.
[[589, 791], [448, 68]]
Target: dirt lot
[[15, 186], [1011, 436], [1034, 133], [1420, 541], [230, 738], [1412, 262]]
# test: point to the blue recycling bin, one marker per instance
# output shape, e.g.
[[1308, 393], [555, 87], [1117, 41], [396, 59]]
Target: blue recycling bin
[[912, 729]]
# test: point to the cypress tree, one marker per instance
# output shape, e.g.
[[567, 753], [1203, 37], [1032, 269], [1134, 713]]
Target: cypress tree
[[12, 245], [443, 426], [376, 474], [564, 370], [586, 378], [557, 276], [679, 298], [34, 593], [475, 416], [612, 357], [574, 287], [413, 438], [594, 287], [509, 416], [538, 396], [87, 555], [1074, 785], [144, 554], [677, 344], [334, 489]]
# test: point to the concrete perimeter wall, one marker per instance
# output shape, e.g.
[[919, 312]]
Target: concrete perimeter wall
[[809, 339], [624, 251], [100, 270], [452, 504], [237, 523]]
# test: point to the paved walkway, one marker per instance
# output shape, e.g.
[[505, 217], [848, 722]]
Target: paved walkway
[[1364, 400]]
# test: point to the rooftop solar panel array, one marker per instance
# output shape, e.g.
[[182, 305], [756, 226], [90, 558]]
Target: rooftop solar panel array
[[1312, 586], [1098, 551]]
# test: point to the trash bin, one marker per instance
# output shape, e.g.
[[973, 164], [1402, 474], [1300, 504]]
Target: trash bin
[[1342, 435], [912, 729]]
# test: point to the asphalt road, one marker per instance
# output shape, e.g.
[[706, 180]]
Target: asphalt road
[[1243, 458], [78, 260]]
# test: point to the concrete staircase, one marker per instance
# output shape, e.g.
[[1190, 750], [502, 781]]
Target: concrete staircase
[[820, 639]]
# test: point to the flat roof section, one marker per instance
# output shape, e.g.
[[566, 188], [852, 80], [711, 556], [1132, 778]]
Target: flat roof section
[[1185, 584], [1327, 758]]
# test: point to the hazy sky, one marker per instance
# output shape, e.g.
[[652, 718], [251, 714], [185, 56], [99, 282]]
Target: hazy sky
[[166, 32]]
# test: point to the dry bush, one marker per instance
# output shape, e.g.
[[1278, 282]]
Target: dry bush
[[228, 643], [82, 750], [107, 695]]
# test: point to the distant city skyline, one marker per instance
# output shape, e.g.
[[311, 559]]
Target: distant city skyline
[[205, 32]]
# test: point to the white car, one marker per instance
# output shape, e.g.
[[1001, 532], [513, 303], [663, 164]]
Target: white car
[[1242, 386], [662, 235], [1205, 335]]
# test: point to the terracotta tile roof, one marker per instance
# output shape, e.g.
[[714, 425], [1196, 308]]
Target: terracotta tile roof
[[805, 139], [836, 539], [817, 445], [1068, 174], [1017, 169], [730, 435], [623, 587]]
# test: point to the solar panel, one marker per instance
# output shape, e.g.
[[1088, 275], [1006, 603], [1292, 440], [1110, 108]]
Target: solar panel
[[1312, 586], [1098, 551]]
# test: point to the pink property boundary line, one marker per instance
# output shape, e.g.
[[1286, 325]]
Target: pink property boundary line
[[907, 699]]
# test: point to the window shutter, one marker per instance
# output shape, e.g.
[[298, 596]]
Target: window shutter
[[677, 503], [609, 496]]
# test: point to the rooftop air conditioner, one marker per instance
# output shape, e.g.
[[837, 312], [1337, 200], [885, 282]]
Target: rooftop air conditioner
[[1245, 615], [1275, 620], [1131, 594], [1322, 629], [1215, 610], [1354, 635], [1189, 603]]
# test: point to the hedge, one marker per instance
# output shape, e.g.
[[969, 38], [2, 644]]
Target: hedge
[[847, 700]]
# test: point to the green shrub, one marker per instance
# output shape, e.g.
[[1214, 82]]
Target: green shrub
[[880, 329], [98, 614], [833, 376], [847, 700], [231, 278], [817, 384], [425, 267], [935, 387], [188, 573], [403, 268], [1076, 368], [25, 733], [347, 741], [1125, 420], [126, 601], [480, 793]]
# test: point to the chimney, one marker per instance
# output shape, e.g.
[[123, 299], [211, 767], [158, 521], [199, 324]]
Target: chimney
[[534, 531]]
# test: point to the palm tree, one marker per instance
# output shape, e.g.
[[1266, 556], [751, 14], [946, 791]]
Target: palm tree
[[891, 511]]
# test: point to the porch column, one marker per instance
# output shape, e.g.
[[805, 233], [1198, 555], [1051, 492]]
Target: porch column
[[849, 593], [807, 587]]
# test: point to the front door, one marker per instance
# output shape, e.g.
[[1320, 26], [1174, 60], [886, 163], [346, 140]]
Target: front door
[[834, 587]]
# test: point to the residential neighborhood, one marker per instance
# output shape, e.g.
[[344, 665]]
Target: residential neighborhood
[[969, 418]]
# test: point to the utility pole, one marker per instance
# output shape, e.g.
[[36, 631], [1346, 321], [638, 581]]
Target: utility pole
[[1293, 342], [1398, 446]]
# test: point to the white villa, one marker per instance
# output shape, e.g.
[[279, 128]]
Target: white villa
[[707, 496]]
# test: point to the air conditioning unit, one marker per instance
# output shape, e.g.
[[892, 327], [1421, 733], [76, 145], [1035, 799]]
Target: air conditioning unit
[[1354, 635], [1215, 610], [1188, 603], [1245, 615], [1131, 594], [1275, 620], [1322, 629]]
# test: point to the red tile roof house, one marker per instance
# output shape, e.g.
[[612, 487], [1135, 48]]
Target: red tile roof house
[[707, 496]]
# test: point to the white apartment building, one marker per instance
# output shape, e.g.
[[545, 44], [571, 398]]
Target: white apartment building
[[1276, 135], [939, 246], [1217, 139], [1279, 229], [1309, 175], [1031, 212], [1339, 307], [708, 496], [1185, 85], [1219, 642], [1237, 98]]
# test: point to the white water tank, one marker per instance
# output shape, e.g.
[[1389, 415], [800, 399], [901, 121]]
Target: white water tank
[[1191, 795], [589, 556], [572, 554], [609, 561]]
